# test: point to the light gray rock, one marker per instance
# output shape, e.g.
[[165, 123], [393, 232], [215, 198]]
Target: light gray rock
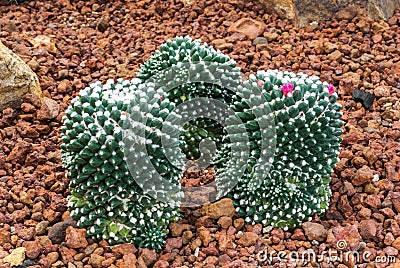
[[16, 79]]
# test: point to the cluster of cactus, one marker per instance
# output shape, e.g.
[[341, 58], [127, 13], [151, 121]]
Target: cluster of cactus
[[125, 143], [293, 186], [105, 199], [101, 157]]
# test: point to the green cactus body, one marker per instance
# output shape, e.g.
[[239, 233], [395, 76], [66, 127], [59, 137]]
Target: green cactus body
[[187, 69], [307, 132], [105, 198]]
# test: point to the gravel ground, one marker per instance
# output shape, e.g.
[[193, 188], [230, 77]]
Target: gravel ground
[[71, 44]]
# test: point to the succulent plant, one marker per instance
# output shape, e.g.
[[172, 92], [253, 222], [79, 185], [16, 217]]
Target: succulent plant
[[123, 143], [105, 198], [187, 69], [291, 182]]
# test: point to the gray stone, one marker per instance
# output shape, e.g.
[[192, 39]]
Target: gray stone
[[260, 40], [41, 227], [16, 79], [303, 12], [57, 233]]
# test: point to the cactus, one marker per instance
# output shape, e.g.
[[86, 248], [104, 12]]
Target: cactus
[[187, 69], [307, 138], [105, 198], [123, 143]]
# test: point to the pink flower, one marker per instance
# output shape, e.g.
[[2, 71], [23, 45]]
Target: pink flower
[[287, 88], [331, 89], [260, 83]]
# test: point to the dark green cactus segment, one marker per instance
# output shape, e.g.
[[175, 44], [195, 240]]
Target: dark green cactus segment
[[182, 50], [308, 128], [152, 237], [152, 142], [105, 199], [187, 69], [197, 130]]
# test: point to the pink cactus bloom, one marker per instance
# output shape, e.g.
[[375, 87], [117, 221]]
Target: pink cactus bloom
[[287, 88], [331, 89], [260, 83]]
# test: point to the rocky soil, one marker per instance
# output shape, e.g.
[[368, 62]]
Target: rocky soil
[[71, 44]]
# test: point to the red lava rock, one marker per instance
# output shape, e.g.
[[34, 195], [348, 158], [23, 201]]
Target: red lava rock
[[32, 249], [238, 223], [353, 138], [395, 202], [277, 232], [161, 264], [50, 215], [203, 221], [225, 222], [396, 243], [149, 256], [377, 38], [5, 236], [344, 237], [75, 238], [108, 262], [186, 237], [49, 109], [28, 108], [213, 260], [204, 235], [223, 207], [52, 257], [349, 82], [373, 201], [225, 242], [335, 56], [248, 239], [26, 233], [97, 260], [370, 155], [251, 28], [231, 230], [178, 228], [195, 244], [224, 258], [315, 231], [67, 254], [173, 243], [364, 213], [32, 99], [19, 152], [392, 170], [362, 176], [64, 86], [298, 235], [210, 250], [123, 249], [368, 229]]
